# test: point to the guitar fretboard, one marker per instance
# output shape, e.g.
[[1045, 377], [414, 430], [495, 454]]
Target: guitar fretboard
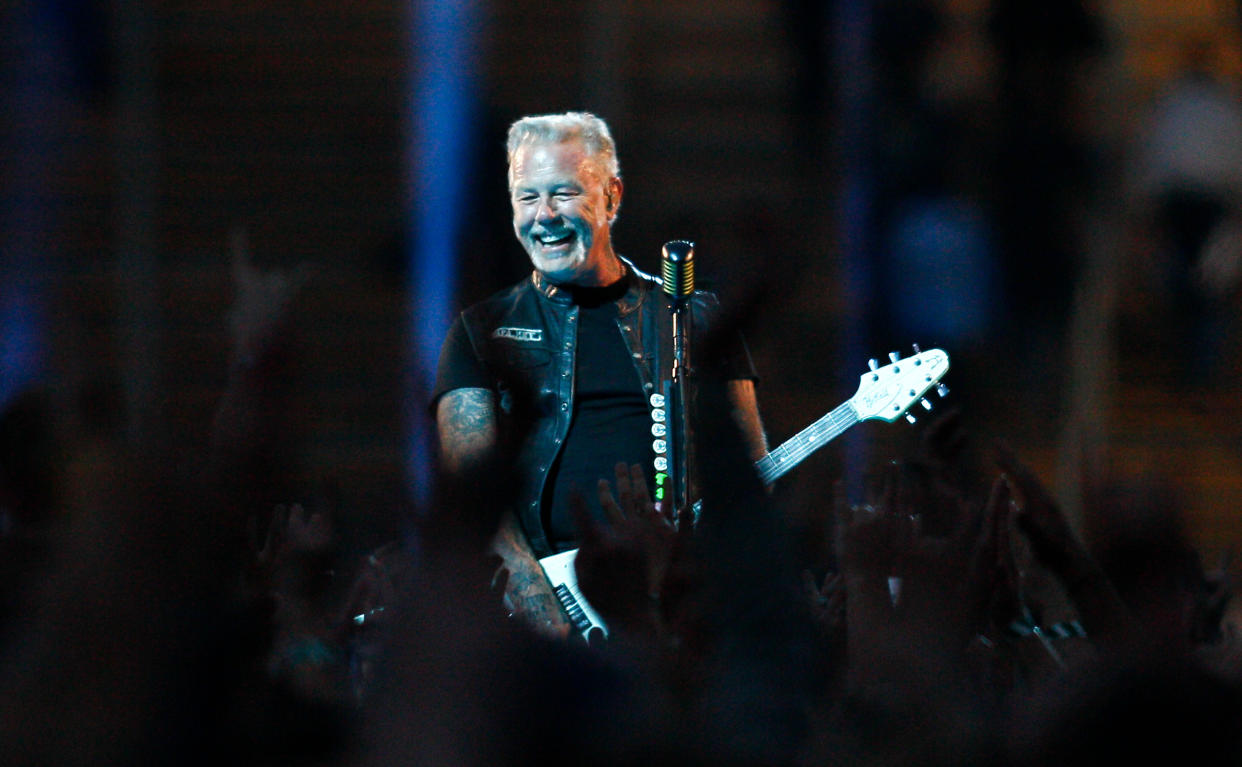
[[792, 452]]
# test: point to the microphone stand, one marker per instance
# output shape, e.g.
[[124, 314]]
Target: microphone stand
[[679, 409], [679, 285]]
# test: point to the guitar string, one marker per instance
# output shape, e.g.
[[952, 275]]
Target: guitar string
[[788, 455], [811, 438], [808, 441]]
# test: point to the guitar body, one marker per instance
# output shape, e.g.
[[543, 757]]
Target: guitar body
[[564, 579]]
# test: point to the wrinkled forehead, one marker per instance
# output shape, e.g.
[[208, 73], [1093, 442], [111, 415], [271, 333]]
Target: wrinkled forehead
[[540, 159]]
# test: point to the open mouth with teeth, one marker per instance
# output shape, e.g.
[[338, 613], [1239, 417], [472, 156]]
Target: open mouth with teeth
[[554, 241]]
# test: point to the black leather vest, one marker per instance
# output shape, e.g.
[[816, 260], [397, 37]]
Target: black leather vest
[[527, 338]]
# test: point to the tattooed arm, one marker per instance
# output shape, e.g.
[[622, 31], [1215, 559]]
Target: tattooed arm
[[527, 591], [466, 420]]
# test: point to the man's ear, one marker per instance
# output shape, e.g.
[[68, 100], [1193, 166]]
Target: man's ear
[[612, 194]]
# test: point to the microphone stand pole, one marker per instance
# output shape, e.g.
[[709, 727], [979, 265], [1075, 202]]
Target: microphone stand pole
[[679, 411], [678, 267]]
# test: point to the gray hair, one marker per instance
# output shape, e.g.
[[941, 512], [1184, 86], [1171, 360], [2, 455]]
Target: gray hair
[[582, 126]]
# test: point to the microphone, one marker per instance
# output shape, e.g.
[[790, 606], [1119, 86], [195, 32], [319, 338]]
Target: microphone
[[677, 267]]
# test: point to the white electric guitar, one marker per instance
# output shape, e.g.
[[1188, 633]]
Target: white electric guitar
[[884, 393]]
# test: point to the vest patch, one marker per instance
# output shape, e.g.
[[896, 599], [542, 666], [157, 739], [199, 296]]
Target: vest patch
[[519, 334]]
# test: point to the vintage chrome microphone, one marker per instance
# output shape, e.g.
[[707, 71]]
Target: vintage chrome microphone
[[677, 271]]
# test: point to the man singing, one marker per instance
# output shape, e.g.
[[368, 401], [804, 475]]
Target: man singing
[[554, 375]]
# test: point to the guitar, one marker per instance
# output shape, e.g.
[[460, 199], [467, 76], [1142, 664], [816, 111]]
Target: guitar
[[884, 393]]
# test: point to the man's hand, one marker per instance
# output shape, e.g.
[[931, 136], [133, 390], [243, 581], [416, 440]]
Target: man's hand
[[527, 590]]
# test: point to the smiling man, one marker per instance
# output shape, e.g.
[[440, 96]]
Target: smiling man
[[564, 202], [554, 376]]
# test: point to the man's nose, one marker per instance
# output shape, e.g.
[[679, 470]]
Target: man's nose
[[546, 211]]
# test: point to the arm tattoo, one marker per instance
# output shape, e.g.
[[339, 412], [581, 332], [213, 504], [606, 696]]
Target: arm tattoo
[[528, 589], [466, 421]]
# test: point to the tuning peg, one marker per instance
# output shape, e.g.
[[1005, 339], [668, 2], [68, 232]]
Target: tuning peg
[[911, 418], [873, 363], [917, 350], [926, 405], [894, 356], [942, 390]]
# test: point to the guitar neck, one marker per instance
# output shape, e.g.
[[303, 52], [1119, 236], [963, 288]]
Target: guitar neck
[[792, 452]]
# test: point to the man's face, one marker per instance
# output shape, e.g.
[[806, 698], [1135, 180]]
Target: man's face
[[562, 210]]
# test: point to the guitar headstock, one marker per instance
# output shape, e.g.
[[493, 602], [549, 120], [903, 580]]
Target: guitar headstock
[[888, 392]]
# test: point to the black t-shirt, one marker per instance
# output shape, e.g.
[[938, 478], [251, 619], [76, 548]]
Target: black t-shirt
[[611, 421]]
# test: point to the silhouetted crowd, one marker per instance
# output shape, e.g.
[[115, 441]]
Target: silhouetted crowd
[[159, 607]]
